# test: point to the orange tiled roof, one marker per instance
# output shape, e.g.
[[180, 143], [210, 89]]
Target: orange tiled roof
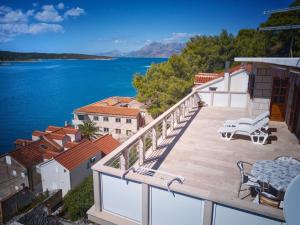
[[38, 133], [70, 144], [106, 144], [202, 78], [20, 141], [61, 130], [74, 156], [55, 136], [111, 106], [50, 154], [109, 110], [32, 154]]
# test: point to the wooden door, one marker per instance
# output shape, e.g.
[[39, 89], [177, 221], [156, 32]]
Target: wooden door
[[279, 98], [295, 110]]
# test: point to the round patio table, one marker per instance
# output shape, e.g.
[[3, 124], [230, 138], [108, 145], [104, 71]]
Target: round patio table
[[277, 173]]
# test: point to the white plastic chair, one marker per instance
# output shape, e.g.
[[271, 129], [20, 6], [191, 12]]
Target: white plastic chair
[[257, 132], [233, 123]]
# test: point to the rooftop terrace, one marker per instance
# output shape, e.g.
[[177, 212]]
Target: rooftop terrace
[[184, 143]]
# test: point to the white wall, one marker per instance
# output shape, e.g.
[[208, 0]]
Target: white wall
[[55, 176], [122, 197], [174, 209], [238, 83], [228, 216], [78, 174], [111, 124]]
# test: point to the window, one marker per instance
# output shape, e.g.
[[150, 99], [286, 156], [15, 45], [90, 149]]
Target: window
[[80, 117], [105, 118], [118, 120], [212, 88], [106, 129], [14, 173], [118, 131], [43, 146], [22, 174], [128, 132], [96, 118], [128, 120]]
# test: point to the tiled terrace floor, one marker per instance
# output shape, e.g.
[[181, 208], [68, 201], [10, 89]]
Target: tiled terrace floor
[[207, 162]]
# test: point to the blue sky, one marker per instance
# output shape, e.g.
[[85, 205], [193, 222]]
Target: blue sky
[[94, 26]]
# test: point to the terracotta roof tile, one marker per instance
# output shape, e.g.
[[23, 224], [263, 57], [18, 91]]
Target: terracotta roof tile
[[106, 144], [109, 110], [50, 154], [202, 78], [61, 130], [111, 106], [74, 156], [70, 144], [38, 133], [22, 141], [32, 154]]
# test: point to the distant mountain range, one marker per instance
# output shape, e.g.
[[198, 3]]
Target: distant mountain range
[[154, 49], [31, 56]]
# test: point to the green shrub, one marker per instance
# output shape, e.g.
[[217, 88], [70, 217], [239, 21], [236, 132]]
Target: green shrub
[[80, 199]]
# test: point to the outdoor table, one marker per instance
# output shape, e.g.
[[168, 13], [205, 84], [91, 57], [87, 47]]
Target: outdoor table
[[277, 173]]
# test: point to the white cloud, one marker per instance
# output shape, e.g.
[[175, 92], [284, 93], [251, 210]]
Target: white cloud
[[8, 15], [74, 12], [15, 22], [61, 5], [9, 31], [179, 37], [37, 28], [48, 14]]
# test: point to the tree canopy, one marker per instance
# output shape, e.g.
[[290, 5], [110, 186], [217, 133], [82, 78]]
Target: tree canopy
[[166, 83]]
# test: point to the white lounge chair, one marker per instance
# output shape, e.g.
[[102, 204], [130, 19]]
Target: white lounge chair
[[257, 132], [233, 123]]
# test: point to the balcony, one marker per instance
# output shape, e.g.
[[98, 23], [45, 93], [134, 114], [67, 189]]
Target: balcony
[[177, 170]]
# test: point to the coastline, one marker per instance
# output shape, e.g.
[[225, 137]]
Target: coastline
[[37, 60]]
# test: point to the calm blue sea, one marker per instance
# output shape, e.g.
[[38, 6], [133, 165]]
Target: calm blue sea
[[34, 95]]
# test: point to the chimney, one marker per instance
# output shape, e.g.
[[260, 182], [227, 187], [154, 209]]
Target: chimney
[[226, 77]]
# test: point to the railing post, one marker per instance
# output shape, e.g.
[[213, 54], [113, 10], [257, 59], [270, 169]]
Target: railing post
[[124, 160], [145, 204], [172, 121], [183, 110], [97, 191], [212, 99], [141, 150], [229, 99], [154, 139], [164, 128]]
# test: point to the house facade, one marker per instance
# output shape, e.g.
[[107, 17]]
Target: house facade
[[69, 168], [21, 167], [119, 116], [274, 85], [13, 176]]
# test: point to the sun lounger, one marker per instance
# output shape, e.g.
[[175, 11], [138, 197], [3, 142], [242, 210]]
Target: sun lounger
[[257, 132], [233, 123]]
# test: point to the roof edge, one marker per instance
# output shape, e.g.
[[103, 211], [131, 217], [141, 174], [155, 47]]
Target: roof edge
[[283, 61]]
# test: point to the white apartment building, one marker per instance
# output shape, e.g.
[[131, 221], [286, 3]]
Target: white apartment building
[[119, 116]]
